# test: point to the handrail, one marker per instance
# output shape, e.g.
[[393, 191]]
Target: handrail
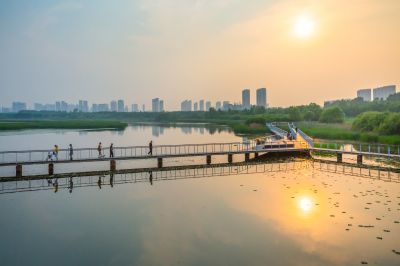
[[132, 147], [292, 130], [276, 130]]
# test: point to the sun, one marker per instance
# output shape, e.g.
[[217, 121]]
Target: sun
[[304, 27]]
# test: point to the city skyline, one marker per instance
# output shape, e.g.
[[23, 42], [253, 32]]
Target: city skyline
[[157, 104], [99, 50]]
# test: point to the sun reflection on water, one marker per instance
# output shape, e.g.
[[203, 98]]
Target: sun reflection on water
[[305, 204]]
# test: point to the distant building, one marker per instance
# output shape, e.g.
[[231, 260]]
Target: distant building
[[208, 106], [143, 108], [186, 106], [201, 105], [226, 105], [83, 106], [155, 105], [382, 93], [113, 106], [18, 106], [261, 95], [120, 106], [246, 99], [6, 109], [103, 107], [365, 94], [38, 107], [218, 105], [161, 106], [44, 107], [195, 107], [135, 107], [61, 106]]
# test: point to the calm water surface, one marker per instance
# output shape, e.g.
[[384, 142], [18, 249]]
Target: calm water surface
[[268, 214]]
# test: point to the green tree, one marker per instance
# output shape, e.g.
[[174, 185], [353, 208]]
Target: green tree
[[332, 115], [294, 114]]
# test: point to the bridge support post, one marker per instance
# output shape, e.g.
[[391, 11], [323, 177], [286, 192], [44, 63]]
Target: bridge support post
[[18, 170], [256, 155], [113, 165], [208, 158], [230, 157], [159, 163], [51, 169], [339, 157], [359, 159], [247, 156]]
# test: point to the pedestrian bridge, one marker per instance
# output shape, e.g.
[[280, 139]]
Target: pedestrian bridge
[[291, 141]]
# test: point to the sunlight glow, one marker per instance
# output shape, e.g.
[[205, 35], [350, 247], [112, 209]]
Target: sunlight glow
[[304, 27], [305, 204]]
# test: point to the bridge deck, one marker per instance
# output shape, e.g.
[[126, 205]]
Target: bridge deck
[[30, 157]]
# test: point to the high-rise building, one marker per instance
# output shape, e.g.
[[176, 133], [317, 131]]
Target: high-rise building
[[365, 94], [186, 106], [38, 107], [103, 107], [83, 106], [195, 107], [143, 108], [218, 105], [208, 106], [226, 105], [58, 106], [113, 106], [262, 97], [6, 109], [382, 93], [201, 105], [120, 106], [18, 106], [135, 107], [246, 99], [64, 106], [161, 106], [155, 105]]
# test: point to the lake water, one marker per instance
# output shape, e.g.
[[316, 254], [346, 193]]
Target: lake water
[[288, 213]]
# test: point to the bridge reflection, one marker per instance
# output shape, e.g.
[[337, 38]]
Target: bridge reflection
[[152, 175]]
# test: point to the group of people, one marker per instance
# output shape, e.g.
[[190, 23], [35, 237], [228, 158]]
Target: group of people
[[100, 150], [53, 154]]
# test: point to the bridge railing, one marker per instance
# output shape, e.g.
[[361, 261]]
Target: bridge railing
[[292, 130], [276, 130], [119, 152], [383, 149]]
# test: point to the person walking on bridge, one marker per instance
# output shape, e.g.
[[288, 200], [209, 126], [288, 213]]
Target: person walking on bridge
[[71, 152], [150, 148], [99, 148], [55, 151], [112, 150]]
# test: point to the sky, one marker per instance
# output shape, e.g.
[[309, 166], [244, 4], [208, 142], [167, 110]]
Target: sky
[[98, 50]]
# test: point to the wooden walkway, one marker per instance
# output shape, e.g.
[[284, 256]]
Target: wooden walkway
[[293, 141]]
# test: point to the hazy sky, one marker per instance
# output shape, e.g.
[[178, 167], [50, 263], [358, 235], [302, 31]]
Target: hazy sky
[[176, 49]]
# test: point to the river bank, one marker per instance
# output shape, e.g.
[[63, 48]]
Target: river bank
[[241, 123]]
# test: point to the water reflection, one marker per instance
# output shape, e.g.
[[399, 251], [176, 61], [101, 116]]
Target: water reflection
[[280, 213], [305, 204]]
